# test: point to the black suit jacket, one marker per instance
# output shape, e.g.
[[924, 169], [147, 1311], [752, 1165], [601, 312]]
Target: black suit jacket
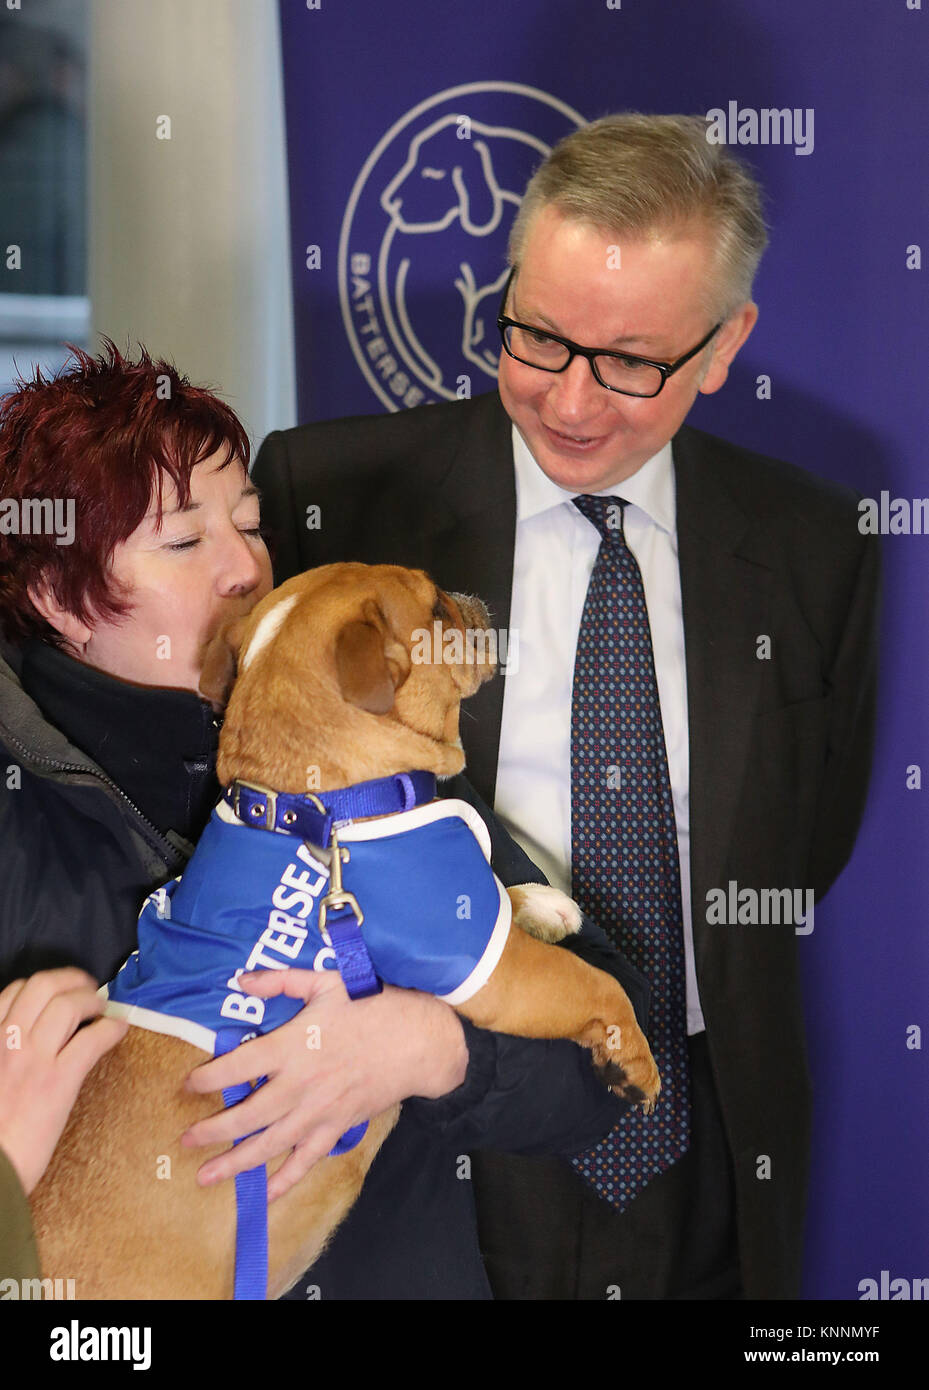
[[780, 733]]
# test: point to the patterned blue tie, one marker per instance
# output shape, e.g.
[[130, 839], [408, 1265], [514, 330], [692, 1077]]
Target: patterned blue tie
[[625, 869]]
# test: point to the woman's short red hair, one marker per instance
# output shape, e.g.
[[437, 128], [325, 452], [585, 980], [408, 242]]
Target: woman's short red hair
[[102, 432]]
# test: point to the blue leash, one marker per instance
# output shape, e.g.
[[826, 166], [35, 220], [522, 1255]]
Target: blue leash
[[251, 1189]]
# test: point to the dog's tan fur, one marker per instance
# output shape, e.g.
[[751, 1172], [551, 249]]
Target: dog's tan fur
[[330, 699]]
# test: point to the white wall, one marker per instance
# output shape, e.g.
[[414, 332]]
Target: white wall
[[188, 245]]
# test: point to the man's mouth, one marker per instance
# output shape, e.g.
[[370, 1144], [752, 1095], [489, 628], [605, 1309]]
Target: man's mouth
[[573, 441]]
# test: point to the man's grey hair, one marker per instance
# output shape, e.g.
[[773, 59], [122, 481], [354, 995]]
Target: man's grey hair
[[637, 176]]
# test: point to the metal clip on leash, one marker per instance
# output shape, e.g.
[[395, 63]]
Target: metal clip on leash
[[340, 908], [338, 898]]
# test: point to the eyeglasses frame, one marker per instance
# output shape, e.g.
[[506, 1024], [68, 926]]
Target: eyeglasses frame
[[667, 369]]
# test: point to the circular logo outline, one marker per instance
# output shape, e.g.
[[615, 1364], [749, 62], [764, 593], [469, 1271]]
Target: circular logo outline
[[464, 89]]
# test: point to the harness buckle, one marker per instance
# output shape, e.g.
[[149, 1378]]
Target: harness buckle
[[269, 810]]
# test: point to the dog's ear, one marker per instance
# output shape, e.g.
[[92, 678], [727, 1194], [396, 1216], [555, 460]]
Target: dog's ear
[[473, 179], [371, 664], [221, 662]]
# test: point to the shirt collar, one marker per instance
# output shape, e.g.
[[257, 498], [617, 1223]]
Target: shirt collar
[[651, 488]]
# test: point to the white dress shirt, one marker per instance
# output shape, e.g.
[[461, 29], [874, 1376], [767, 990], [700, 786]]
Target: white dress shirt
[[554, 556]]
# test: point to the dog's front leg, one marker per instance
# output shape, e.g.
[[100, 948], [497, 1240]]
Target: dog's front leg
[[539, 991], [544, 912]]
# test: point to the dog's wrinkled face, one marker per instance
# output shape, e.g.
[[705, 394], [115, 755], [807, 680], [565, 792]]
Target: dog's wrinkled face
[[351, 665]]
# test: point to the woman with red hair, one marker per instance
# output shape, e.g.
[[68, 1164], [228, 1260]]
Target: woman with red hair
[[128, 529]]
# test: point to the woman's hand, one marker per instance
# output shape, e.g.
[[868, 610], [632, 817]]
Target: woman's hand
[[337, 1062], [44, 1060]]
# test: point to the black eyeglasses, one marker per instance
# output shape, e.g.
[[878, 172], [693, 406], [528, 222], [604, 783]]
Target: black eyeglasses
[[617, 371]]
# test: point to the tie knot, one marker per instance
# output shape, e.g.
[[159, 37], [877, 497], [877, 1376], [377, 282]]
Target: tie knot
[[606, 513]]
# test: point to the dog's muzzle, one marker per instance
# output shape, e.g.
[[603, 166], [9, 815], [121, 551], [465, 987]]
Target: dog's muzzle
[[472, 610], [480, 639]]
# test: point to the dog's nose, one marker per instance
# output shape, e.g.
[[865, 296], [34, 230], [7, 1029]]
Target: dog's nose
[[472, 610], [480, 638]]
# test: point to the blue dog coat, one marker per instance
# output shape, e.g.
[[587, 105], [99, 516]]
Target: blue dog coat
[[436, 918]]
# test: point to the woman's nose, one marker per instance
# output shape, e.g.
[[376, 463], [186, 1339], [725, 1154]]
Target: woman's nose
[[246, 566]]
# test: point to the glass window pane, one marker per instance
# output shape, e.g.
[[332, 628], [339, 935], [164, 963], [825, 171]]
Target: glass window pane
[[43, 177]]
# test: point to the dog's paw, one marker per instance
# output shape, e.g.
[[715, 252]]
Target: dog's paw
[[630, 1073], [638, 1083], [543, 912]]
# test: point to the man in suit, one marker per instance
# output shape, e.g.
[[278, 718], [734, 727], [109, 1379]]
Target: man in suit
[[744, 584]]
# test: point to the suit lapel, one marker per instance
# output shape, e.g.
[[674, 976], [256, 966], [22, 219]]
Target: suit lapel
[[469, 535], [725, 594]]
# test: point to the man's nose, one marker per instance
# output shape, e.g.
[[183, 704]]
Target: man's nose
[[575, 394]]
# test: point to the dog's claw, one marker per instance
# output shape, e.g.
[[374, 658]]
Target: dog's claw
[[617, 1078]]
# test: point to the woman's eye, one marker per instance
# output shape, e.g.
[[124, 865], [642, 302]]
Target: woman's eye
[[253, 531]]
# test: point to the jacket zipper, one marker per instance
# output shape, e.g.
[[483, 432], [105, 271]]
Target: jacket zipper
[[172, 852]]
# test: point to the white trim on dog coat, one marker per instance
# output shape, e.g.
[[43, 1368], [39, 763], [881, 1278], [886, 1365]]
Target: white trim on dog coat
[[436, 918]]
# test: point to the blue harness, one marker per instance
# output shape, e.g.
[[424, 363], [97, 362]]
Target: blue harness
[[435, 919]]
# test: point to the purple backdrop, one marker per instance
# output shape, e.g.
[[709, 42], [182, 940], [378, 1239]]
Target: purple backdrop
[[371, 115]]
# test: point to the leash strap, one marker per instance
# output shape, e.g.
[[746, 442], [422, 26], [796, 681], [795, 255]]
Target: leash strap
[[360, 980], [351, 953], [251, 1190], [251, 1187]]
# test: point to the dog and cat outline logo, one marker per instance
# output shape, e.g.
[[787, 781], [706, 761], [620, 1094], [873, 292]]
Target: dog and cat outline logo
[[422, 247]]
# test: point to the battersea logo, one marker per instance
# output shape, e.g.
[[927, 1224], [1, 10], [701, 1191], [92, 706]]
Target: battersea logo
[[422, 251]]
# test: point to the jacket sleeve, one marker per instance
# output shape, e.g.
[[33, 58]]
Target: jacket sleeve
[[853, 688], [18, 1257], [524, 1095]]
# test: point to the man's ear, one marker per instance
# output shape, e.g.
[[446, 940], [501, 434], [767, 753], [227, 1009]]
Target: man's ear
[[726, 344], [371, 664], [72, 629], [221, 662]]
